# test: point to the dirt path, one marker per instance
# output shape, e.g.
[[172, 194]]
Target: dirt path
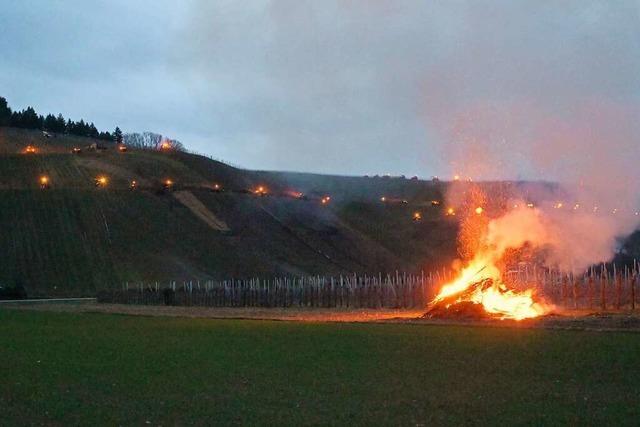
[[200, 210], [47, 301], [294, 314]]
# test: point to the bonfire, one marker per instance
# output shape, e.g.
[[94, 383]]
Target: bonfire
[[480, 293]]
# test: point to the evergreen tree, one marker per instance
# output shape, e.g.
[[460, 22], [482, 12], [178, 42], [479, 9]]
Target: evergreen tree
[[105, 136], [31, 119], [117, 135], [60, 124], [93, 131], [27, 119], [81, 128], [16, 119], [5, 112], [50, 123]]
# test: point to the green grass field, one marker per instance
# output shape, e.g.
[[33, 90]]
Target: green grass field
[[87, 369]]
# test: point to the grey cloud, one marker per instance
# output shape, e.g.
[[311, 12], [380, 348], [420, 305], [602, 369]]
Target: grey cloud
[[335, 86]]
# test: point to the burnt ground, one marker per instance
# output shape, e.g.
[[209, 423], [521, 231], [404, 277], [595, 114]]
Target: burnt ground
[[569, 319]]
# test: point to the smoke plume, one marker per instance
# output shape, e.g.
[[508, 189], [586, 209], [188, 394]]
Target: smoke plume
[[537, 92], [590, 154]]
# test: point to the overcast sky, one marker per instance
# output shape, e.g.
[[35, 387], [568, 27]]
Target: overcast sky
[[348, 87]]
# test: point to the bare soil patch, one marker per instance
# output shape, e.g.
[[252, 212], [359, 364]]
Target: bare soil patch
[[200, 210], [292, 314]]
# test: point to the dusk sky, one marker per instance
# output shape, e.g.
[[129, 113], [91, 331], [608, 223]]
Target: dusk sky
[[346, 87]]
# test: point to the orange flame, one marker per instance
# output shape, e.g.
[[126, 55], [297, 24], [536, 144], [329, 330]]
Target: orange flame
[[497, 300], [484, 241]]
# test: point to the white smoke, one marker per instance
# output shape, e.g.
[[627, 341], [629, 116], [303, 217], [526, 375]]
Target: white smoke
[[588, 149], [573, 240]]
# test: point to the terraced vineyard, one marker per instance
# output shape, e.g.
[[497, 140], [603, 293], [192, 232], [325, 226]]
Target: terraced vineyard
[[75, 238]]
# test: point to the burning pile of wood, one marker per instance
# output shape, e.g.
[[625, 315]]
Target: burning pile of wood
[[460, 305], [487, 297]]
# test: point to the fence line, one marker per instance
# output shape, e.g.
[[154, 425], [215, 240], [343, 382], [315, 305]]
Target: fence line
[[603, 288], [399, 290]]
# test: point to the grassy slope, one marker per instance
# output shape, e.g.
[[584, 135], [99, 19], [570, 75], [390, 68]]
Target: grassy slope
[[86, 369], [74, 238]]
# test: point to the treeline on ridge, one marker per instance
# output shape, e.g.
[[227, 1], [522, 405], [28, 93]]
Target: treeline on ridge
[[30, 119]]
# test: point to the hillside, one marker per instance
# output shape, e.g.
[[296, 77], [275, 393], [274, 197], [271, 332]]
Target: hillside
[[74, 237]]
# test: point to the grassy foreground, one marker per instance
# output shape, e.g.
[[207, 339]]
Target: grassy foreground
[[70, 369]]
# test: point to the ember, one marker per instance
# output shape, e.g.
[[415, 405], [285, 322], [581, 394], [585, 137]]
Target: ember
[[30, 149]]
